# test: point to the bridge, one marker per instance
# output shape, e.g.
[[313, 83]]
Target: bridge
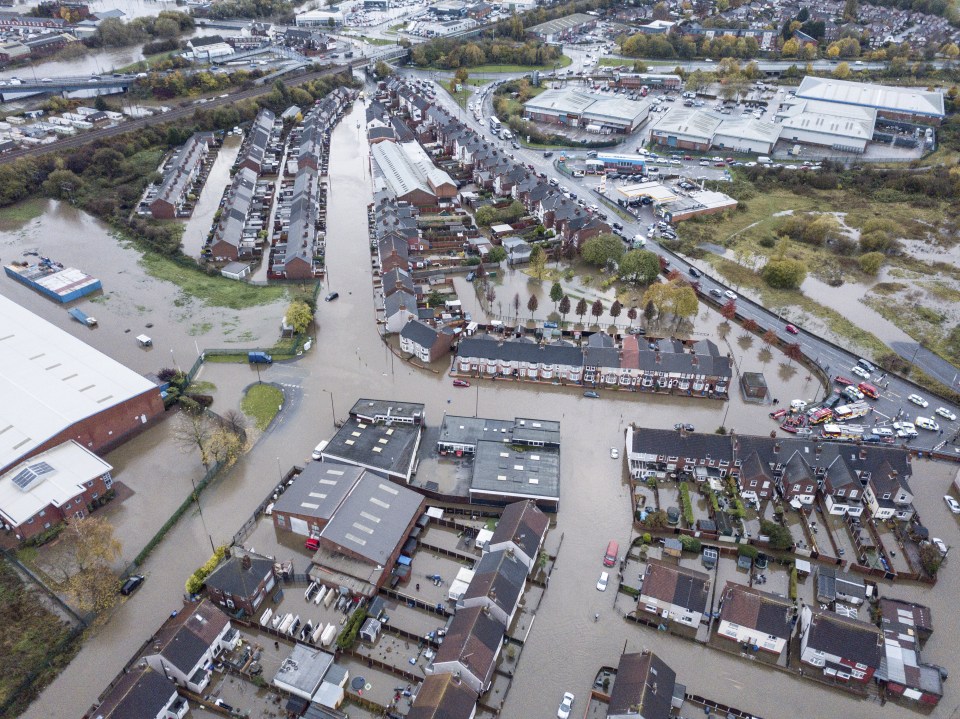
[[88, 85]]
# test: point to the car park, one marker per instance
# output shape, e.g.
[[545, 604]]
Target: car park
[[602, 582], [860, 372], [927, 423], [946, 413], [566, 706], [952, 504], [918, 400]]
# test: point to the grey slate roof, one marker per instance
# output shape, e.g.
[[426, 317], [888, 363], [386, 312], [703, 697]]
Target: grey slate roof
[[500, 469], [483, 347], [500, 577], [671, 443], [318, 490], [147, 698], [231, 578], [844, 637], [419, 333], [643, 682]]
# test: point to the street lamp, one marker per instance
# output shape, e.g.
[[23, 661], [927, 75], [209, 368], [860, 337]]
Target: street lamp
[[203, 522]]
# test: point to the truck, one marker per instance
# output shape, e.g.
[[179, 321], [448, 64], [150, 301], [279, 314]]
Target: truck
[[506, 134], [258, 357], [639, 241]]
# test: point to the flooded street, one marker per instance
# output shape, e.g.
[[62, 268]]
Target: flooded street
[[198, 226], [565, 647]]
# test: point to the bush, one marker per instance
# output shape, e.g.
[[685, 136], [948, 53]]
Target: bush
[[686, 504], [784, 274], [871, 262], [349, 634], [647, 538], [748, 550], [780, 537], [195, 582], [203, 400], [690, 544], [793, 583]]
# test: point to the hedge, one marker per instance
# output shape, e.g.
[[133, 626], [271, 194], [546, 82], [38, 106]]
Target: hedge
[[793, 583], [714, 502], [748, 550], [352, 628], [195, 582], [690, 544], [687, 506]]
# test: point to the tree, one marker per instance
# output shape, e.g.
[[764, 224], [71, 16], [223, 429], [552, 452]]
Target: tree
[[193, 430], [556, 294], [615, 309], [532, 305], [581, 308], [516, 305], [82, 568], [930, 558], [596, 309], [224, 446], [235, 422], [842, 71], [685, 303], [660, 295], [779, 536], [538, 261], [632, 315], [729, 310], [750, 325], [793, 352], [490, 295], [784, 273], [435, 299], [602, 249], [299, 316], [382, 70], [640, 266], [649, 311], [564, 307], [769, 337], [496, 255]]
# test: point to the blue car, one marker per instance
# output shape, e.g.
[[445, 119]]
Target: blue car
[[550, 325], [591, 394]]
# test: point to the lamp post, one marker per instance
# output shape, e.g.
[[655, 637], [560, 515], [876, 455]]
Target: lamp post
[[203, 522], [333, 414]]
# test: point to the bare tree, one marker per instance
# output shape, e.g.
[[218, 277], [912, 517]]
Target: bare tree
[[192, 431]]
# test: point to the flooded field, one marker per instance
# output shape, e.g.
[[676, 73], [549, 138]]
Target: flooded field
[[348, 362]]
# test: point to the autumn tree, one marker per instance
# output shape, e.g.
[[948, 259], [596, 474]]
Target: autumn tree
[[750, 325], [685, 304], [224, 447], [615, 309], [556, 294], [299, 316], [659, 295], [82, 567], [770, 337], [538, 262], [632, 315], [640, 266], [581, 308], [793, 352], [596, 309], [729, 310], [532, 305], [564, 307]]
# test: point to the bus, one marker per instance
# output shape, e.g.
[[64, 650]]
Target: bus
[[495, 124], [594, 167]]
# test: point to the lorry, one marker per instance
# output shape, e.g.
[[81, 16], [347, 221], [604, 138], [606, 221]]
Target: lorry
[[82, 317], [639, 241], [258, 357]]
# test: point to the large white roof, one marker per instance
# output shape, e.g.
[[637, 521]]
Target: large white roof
[[911, 100], [57, 475], [50, 380]]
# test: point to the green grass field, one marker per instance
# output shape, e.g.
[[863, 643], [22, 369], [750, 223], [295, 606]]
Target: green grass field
[[262, 402], [564, 61], [217, 291], [15, 216]]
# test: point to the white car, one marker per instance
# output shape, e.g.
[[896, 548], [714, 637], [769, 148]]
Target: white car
[[918, 400], [602, 582], [860, 372], [614, 453], [905, 429], [953, 504], [565, 706], [946, 413], [798, 404], [730, 295], [938, 543], [927, 423]]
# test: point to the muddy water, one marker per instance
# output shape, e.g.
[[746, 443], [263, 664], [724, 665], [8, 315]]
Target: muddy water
[[565, 647], [198, 226]]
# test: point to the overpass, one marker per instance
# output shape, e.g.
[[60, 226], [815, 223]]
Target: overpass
[[88, 85]]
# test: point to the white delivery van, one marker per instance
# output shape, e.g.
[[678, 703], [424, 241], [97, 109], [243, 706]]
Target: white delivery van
[[764, 160], [318, 450]]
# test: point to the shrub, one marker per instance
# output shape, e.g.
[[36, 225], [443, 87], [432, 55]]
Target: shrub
[[690, 544], [793, 583], [195, 582], [748, 550], [780, 537], [685, 502], [349, 634], [204, 400], [714, 502], [647, 538]]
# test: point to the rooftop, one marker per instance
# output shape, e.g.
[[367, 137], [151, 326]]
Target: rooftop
[[910, 100], [318, 490], [590, 105], [643, 687], [52, 380], [302, 671], [389, 449], [386, 410], [561, 23], [751, 608], [676, 585], [501, 469], [442, 696]]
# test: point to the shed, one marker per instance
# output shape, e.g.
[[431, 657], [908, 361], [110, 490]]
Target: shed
[[672, 547], [370, 630], [483, 536], [235, 270], [753, 384]]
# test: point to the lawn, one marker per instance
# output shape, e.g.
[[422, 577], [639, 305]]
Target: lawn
[[148, 62], [32, 643], [262, 402], [214, 290], [564, 61], [15, 216]]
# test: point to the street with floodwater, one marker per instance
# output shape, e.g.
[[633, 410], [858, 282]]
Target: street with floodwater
[[565, 647]]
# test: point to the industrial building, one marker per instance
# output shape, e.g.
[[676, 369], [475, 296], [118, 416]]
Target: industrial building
[[904, 104], [590, 111], [410, 175], [830, 124], [686, 129], [55, 388], [562, 28]]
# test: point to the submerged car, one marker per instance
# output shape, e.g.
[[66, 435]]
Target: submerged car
[[460, 383]]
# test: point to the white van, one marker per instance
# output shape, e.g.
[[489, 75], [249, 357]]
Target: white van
[[578, 173], [318, 450], [764, 160]]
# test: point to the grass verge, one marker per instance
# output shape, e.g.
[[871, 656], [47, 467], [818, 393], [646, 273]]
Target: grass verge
[[15, 216], [214, 290], [564, 61], [262, 402]]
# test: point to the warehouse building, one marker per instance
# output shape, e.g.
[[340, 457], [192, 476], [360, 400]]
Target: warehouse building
[[746, 134], [410, 175], [840, 127], [686, 129], [905, 104], [562, 28], [55, 388], [596, 113]]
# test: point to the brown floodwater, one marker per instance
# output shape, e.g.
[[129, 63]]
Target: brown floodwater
[[565, 647]]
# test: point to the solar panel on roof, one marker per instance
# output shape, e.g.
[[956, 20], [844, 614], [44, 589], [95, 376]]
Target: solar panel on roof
[[30, 474]]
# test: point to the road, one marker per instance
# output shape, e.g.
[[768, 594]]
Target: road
[[832, 359]]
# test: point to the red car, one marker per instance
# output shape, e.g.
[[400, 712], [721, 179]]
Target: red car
[[312, 543], [792, 330], [460, 383], [687, 157], [719, 164]]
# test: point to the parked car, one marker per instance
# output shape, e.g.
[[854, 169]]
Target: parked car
[[798, 404], [905, 429], [860, 372], [132, 584], [684, 426], [946, 413], [939, 544], [927, 423], [317, 453], [591, 394], [602, 582], [331, 297], [918, 400], [673, 516], [566, 705], [460, 383], [953, 504], [792, 330], [312, 543]]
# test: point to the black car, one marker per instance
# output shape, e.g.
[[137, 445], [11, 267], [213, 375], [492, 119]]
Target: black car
[[548, 154], [617, 226], [131, 585], [331, 297], [694, 272]]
